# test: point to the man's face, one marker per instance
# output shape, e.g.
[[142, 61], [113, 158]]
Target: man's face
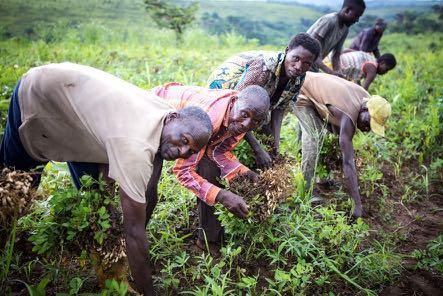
[[351, 15], [383, 68], [379, 29], [181, 139], [297, 61], [245, 116], [364, 119]]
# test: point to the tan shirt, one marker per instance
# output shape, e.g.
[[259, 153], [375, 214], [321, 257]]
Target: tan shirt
[[321, 90], [329, 29], [77, 113]]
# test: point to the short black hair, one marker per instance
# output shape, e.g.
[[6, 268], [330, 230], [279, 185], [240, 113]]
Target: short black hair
[[306, 41], [257, 93], [354, 3], [194, 114], [388, 59]]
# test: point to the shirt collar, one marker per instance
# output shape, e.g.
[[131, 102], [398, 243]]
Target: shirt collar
[[228, 110], [281, 59]]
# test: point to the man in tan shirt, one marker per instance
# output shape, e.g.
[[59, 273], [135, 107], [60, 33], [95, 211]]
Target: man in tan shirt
[[344, 106], [75, 113]]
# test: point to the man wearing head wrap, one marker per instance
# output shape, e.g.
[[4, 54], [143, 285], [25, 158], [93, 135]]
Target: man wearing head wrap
[[342, 106], [369, 38]]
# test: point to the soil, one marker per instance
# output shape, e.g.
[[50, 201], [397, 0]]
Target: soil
[[417, 222]]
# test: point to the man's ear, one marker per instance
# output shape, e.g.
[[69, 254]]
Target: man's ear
[[171, 116], [287, 49]]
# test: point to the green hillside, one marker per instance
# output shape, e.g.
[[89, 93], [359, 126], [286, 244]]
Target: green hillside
[[269, 22]]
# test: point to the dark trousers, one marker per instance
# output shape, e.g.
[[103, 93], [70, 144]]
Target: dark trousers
[[210, 228], [13, 154]]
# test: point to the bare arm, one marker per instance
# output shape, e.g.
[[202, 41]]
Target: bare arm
[[151, 191], [347, 50], [376, 52], [337, 51], [319, 62], [134, 217], [262, 157], [371, 72], [276, 121], [336, 60], [347, 131]]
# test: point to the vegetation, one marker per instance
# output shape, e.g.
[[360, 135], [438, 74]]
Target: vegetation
[[413, 22], [302, 248], [281, 20], [170, 16]]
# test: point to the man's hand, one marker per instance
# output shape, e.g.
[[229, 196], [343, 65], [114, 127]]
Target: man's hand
[[338, 74], [251, 176], [263, 159], [358, 212], [234, 203]]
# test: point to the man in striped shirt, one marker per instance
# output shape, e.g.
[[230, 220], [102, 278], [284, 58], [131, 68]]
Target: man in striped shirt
[[232, 114], [358, 65]]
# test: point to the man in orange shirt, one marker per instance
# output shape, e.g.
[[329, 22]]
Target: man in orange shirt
[[232, 114]]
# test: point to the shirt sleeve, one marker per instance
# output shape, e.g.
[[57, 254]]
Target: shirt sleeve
[[256, 73], [322, 27], [186, 172], [339, 46], [366, 43], [222, 155], [130, 165]]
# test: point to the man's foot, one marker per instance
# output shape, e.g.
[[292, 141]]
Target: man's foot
[[327, 184], [214, 248]]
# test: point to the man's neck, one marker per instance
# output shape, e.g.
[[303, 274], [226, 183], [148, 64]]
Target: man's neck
[[340, 20]]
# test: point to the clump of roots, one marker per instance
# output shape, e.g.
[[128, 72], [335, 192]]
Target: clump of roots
[[109, 261], [108, 258], [16, 196], [274, 187]]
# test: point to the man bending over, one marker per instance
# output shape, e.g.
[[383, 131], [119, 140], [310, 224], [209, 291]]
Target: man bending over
[[281, 74], [75, 113], [232, 114], [358, 65], [327, 100], [331, 31]]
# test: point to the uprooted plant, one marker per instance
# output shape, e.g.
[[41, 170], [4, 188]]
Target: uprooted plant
[[16, 196], [86, 221], [274, 187]]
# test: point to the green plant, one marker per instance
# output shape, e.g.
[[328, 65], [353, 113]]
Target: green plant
[[432, 257], [171, 16]]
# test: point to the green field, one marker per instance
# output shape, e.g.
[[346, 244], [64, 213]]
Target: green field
[[270, 22], [302, 249]]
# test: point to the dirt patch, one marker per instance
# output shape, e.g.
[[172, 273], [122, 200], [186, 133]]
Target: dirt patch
[[416, 222], [418, 282]]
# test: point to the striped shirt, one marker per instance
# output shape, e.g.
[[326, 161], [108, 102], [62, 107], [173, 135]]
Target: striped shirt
[[217, 103], [262, 68], [352, 64]]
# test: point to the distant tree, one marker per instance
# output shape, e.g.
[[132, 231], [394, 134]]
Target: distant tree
[[438, 9], [171, 16]]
